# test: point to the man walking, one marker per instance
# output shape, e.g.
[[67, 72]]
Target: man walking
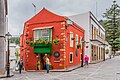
[[20, 65], [47, 64]]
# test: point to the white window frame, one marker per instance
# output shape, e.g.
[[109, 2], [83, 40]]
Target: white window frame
[[38, 33], [80, 56], [76, 40], [71, 41], [81, 41], [71, 53]]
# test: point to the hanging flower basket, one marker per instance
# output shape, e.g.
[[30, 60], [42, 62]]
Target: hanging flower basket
[[78, 46], [72, 38], [26, 34], [27, 42], [56, 41], [107, 51]]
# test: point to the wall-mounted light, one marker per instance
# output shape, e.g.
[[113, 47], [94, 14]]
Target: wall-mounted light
[[84, 41], [69, 22]]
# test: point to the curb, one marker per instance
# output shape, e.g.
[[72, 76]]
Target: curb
[[57, 70], [66, 70], [4, 76]]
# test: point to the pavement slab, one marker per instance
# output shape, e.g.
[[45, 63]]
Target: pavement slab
[[105, 70]]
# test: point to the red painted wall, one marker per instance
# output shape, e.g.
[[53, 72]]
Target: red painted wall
[[59, 26], [76, 59]]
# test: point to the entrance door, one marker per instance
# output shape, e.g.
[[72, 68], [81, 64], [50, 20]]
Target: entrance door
[[42, 61]]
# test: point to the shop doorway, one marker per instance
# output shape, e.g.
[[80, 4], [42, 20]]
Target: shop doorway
[[41, 64]]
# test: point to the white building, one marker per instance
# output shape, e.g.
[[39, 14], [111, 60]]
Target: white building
[[12, 55], [94, 35], [108, 51]]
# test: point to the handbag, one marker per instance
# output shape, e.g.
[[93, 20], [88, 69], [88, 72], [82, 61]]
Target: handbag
[[16, 69]]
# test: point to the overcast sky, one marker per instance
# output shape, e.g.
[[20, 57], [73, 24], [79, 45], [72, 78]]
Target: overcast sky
[[19, 11]]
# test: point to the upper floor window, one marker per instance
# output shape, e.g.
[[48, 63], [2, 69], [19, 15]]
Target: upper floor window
[[76, 40], [45, 34], [71, 41], [81, 41]]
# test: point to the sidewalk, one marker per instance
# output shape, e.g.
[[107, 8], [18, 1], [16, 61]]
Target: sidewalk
[[104, 70], [67, 69], [5, 75]]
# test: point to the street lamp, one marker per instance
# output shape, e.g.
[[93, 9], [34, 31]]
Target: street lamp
[[8, 54], [104, 52], [82, 56], [34, 7]]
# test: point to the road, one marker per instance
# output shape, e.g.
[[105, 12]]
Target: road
[[105, 70]]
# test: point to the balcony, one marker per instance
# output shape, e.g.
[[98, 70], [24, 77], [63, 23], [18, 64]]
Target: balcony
[[43, 48], [98, 39]]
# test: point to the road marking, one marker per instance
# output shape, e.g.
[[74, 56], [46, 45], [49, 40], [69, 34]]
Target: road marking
[[94, 71]]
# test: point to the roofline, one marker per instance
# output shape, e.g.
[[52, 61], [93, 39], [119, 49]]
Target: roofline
[[79, 14], [97, 21], [40, 11], [27, 23], [76, 24]]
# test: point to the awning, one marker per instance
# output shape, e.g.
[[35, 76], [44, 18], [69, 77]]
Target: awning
[[43, 28]]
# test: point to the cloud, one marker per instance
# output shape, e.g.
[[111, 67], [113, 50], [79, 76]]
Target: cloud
[[22, 10]]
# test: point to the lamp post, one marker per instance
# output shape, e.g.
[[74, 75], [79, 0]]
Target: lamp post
[[34, 7], [8, 54], [82, 55], [104, 52]]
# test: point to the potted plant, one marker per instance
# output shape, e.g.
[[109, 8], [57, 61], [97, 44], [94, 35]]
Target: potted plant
[[72, 38], [51, 67], [41, 41], [31, 43], [27, 41], [56, 41], [107, 51], [78, 46]]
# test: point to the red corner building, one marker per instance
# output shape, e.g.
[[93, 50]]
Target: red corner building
[[54, 35]]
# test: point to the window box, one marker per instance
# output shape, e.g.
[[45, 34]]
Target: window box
[[43, 48]]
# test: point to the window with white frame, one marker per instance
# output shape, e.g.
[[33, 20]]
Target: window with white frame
[[45, 34], [36, 35], [81, 41], [76, 40], [71, 41], [71, 57]]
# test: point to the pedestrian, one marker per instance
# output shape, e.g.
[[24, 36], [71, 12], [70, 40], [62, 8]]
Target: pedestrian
[[86, 60], [94, 56], [47, 64], [20, 65], [110, 56]]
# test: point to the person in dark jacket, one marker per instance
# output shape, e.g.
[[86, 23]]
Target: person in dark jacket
[[20, 65]]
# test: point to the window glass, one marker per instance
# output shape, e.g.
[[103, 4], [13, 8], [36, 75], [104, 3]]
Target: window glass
[[43, 34], [71, 57], [71, 41], [76, 40], [81, 41]]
